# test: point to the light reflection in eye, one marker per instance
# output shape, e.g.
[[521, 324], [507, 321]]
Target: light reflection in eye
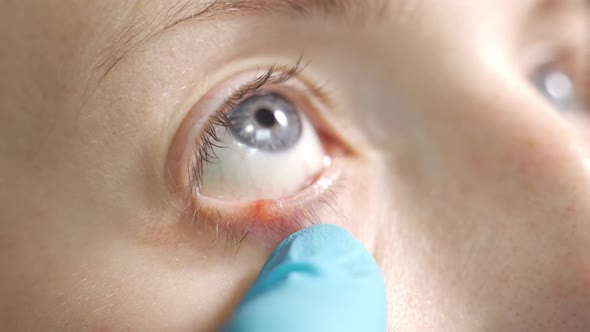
[[268, 150]]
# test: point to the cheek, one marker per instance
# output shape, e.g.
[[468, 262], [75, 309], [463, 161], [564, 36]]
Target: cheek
[[155, 273], [358, 203], [184, 293], [189, 281]]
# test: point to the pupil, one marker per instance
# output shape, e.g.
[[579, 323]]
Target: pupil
[[265, 118]]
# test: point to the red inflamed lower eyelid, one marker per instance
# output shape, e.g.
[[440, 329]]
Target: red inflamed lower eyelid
[[270, 221]]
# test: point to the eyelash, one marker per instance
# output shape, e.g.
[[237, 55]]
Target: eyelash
[[239, 225]]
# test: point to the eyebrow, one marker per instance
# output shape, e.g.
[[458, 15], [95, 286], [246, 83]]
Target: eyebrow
[[143, 29]]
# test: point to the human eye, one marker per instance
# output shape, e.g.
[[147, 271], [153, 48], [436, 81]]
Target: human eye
[[564, 81], [259, 155], [264, 148], [560, 71]]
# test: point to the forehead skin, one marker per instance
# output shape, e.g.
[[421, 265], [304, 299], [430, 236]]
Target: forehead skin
[[70, 37], [95, 26]]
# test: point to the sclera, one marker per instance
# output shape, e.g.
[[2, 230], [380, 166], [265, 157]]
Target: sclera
[[242, 173]]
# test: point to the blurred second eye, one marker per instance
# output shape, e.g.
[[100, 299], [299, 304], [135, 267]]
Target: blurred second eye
[[557, 87]]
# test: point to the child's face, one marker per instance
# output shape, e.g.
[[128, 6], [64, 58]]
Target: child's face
[[456, 130]]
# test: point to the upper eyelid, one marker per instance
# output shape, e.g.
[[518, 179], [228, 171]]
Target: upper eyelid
[[274, 75]]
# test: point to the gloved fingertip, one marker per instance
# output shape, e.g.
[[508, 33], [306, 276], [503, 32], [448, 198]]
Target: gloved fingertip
[[318, 279]]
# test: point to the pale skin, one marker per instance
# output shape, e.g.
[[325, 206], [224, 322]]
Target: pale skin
[[468, 187]]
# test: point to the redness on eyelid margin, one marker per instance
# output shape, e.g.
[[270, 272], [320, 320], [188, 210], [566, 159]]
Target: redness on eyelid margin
[[270, 221]]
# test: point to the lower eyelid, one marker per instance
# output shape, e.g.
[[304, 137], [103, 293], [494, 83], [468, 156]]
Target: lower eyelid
[[270, 221]]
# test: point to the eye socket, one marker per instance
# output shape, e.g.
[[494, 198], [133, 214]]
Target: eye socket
[[259, 139], [255, 156], [267, 149]]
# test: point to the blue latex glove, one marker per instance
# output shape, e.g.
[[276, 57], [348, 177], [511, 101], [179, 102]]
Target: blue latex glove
[[318, 279]]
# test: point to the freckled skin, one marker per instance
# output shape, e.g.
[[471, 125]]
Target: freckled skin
[[469, 189]]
